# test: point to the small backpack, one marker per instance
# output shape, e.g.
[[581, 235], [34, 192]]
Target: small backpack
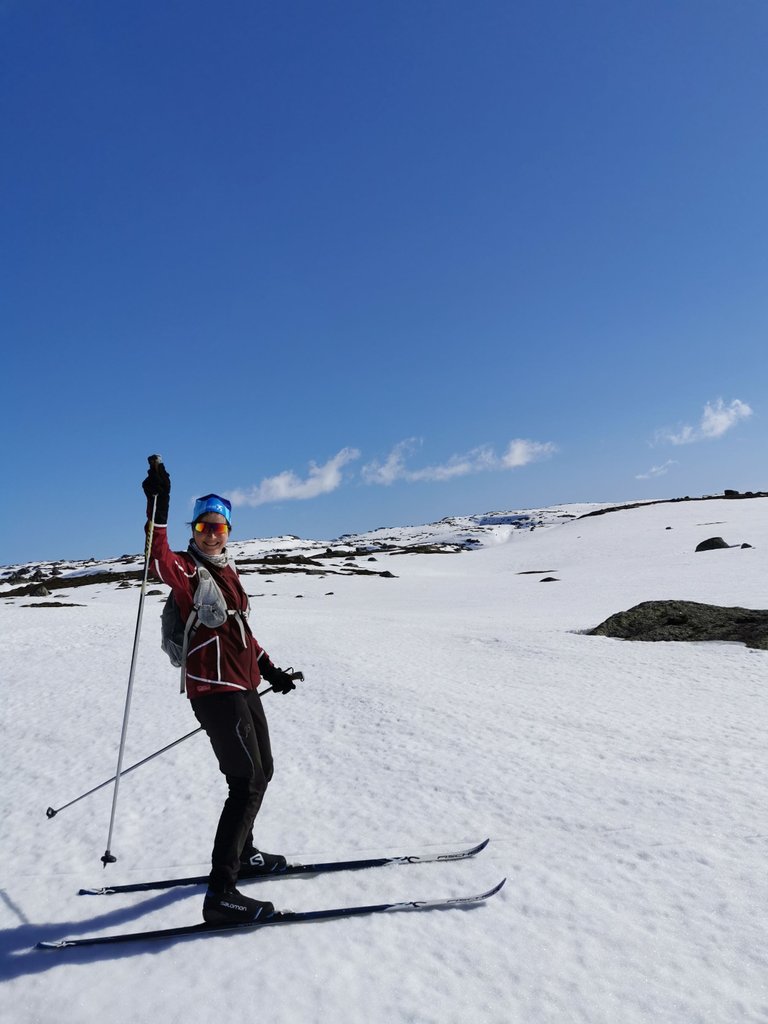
[[173, 628]]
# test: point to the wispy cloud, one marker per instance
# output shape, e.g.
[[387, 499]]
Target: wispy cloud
[[328, 477], [393, 468], [519, 453], [716, 420], [655, 471], [287, 486]]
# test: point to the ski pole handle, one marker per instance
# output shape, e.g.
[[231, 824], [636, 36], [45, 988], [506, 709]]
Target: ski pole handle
[[297, 676]]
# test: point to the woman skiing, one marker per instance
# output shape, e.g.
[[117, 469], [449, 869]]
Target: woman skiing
[[223, 668]]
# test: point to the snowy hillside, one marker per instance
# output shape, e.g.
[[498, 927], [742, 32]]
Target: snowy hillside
[[451, 694], [461, 531]]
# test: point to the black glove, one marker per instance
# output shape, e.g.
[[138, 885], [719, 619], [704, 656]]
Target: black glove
[[157, 484], [282, 682]]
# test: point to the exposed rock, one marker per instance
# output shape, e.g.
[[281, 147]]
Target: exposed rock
[[674, 501], [334, 553], [431, 549], [83, 580], [273, 561], [52, 604], [549, 579], [687, 621], [712, 544]]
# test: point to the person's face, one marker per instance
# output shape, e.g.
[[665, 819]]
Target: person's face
[[207, 541]]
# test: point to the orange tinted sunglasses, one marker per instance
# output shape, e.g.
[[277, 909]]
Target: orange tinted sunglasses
[[217, 529]]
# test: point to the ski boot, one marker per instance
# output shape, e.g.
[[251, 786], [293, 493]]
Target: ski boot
[[256, 862], [231, 907]]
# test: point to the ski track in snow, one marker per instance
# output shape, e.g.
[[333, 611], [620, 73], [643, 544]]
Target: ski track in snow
[[622, 785]]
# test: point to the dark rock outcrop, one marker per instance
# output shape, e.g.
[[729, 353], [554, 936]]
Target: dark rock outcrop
[[673, 501], [53, 604], [712, 544], [687, 621]]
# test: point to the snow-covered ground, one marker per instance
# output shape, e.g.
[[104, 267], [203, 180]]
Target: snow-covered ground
[[622, 786]]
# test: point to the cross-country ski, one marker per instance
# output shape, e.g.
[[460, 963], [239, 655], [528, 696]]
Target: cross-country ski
[[279, 917], [290, 870]]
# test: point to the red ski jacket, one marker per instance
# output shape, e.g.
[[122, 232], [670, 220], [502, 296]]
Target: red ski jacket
[[227, 658]]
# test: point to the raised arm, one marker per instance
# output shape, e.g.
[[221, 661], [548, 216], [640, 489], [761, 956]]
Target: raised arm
[[177, 572]]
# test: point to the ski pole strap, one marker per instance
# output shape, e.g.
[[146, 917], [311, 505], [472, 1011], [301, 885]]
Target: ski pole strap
[[150, 533]]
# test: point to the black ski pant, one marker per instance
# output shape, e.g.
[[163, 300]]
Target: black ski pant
[[237, 728]]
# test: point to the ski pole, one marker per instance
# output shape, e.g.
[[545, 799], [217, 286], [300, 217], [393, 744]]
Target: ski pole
[[108, 858], [51, 812]]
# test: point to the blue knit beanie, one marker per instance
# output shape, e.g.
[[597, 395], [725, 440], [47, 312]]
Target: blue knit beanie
[[212, 503]]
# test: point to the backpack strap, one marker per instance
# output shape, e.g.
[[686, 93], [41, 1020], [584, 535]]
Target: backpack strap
[[189, 629]]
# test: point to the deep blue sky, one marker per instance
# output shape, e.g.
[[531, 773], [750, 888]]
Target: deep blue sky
[[252, 235]]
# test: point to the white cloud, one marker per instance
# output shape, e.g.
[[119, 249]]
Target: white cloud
[[716, 420], [394, 466], [519, 453], [475, 461], [287, 486], [324, 479], [655, 471]]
